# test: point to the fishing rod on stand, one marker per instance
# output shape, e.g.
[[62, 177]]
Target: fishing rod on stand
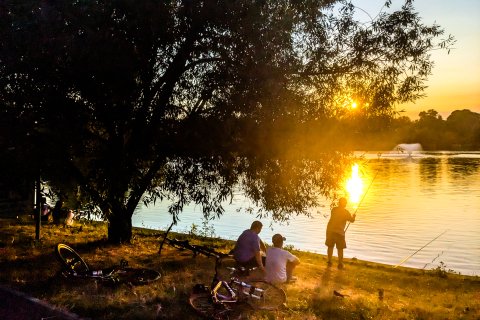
[[407, 258], [371, 182]]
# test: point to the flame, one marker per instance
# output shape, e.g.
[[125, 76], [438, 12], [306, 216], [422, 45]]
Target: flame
[[354, 185]]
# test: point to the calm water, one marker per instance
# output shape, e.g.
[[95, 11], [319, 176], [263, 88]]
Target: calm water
[[411, 201]]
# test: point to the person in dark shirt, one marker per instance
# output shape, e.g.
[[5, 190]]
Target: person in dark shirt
[[249, 247], [59, 212]]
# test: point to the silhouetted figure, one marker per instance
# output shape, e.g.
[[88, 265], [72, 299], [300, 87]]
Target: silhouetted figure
[[336, 231], [57, 212]]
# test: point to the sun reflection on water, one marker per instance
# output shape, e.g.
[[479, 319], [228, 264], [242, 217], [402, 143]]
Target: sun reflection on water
[[354, 186]]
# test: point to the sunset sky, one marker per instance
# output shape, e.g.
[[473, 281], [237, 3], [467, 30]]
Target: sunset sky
[[455, 82]]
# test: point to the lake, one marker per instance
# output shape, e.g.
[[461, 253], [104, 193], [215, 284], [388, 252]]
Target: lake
[[407, 201]]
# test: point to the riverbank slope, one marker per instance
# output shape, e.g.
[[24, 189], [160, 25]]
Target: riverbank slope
[[31, 267]]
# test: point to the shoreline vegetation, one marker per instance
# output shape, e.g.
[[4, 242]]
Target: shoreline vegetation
[[371, 290]]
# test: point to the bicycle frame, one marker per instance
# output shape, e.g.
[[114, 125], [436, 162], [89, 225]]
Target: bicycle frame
[[196, 249], [229, 296], [236, 289], [102, 274], [219, 298]]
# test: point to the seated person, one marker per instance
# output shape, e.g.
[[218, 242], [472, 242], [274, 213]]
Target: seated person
[[46, 214], [279, 263], [58, 212], [69, 218], [61, 214], [249, 247]]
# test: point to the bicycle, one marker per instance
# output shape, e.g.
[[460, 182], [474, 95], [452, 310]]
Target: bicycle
[[227, 299], [75, 267]]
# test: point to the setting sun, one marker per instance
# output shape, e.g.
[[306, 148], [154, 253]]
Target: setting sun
[[353, 105], [354, 185]]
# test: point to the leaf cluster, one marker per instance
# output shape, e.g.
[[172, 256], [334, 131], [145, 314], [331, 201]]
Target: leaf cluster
[[172, 98]]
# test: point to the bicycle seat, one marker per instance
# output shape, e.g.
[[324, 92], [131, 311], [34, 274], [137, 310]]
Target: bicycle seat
[[241, 271]]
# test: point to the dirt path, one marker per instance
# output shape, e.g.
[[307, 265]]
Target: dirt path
[[15, 305]]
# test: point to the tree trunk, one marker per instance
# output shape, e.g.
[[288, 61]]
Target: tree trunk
[[120, 228]]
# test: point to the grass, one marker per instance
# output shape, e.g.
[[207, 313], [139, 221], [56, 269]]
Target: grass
[[30, 266]]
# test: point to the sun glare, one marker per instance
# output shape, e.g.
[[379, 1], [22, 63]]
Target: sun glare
[[354, 185], [353, 105]]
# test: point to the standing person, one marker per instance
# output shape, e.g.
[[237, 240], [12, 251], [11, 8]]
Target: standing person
[[336, 231], [280, 263], [249, 247]]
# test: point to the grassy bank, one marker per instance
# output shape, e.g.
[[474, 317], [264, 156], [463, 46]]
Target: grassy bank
[[30, 266]]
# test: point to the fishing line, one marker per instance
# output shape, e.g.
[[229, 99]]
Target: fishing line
[[371, 182], [407, 258], [438, 256]]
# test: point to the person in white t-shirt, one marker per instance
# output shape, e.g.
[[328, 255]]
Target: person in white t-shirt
[[280, 263]]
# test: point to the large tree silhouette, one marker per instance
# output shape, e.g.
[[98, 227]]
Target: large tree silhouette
[[180, 100]]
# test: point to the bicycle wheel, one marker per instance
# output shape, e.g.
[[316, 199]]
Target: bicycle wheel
[[203, 305], [134, 276], [71, 259], [266, 296]]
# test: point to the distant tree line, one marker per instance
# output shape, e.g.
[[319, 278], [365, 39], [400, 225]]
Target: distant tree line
[[460, 131], [361, 130]]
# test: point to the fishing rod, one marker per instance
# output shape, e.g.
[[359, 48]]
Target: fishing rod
[[407, 258], [371, 182]]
